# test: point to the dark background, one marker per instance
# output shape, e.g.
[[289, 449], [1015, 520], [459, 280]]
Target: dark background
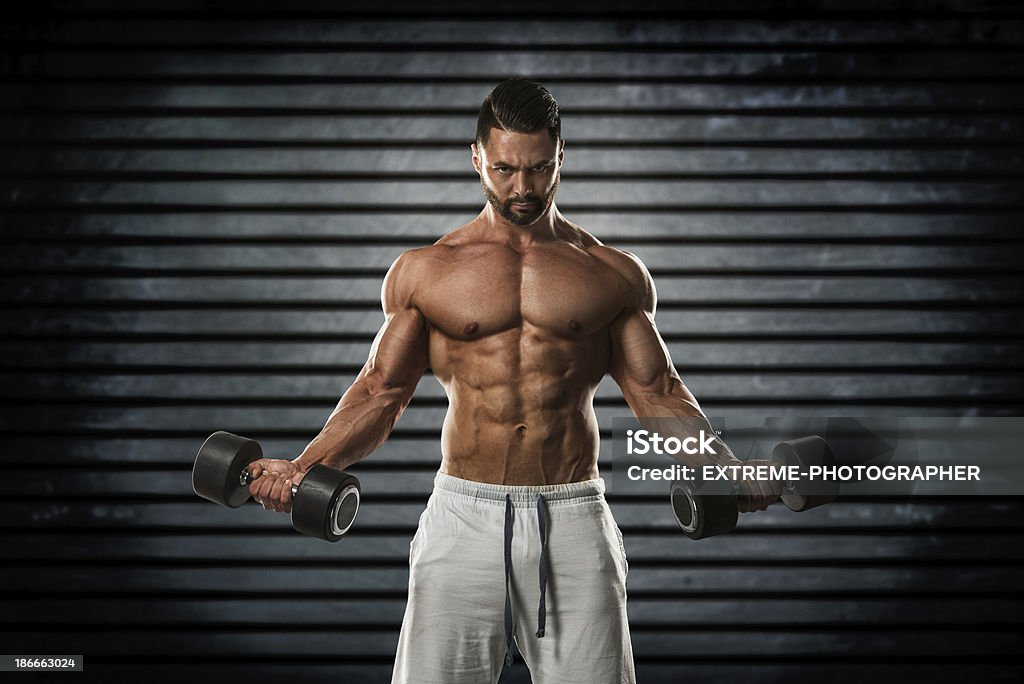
[[199, 205]]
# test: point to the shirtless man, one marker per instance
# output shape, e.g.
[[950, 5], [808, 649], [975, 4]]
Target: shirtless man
[[519, 313]]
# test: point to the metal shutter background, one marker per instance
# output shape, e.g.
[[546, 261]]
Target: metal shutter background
[[199, 207]]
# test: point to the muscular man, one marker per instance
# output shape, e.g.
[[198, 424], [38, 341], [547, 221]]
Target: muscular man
[[519, 313]]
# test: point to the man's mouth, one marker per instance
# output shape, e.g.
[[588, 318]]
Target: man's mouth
[[523, 205]]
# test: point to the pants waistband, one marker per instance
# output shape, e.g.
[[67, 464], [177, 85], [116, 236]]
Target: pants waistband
[[520, 495]]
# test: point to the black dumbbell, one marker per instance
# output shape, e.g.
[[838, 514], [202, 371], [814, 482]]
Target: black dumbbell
[[324, 503], [709, 507], [704, 508]]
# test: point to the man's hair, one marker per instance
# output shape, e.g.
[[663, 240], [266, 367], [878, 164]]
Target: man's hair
[[518, 105]]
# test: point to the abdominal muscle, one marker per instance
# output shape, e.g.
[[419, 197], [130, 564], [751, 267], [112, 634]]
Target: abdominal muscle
[[507, 425], [550, 447]]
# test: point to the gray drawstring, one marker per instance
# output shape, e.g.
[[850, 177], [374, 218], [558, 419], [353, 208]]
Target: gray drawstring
[[508, 568], [542, 524], [543, 572]]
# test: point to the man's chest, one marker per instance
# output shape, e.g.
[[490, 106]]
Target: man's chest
[[560, 291]]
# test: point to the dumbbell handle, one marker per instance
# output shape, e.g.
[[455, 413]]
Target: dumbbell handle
[[246, 479]]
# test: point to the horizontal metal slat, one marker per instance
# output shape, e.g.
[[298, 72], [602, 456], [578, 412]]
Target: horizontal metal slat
[[736, 31], [710, 146], [413, 230], [362, 325], [426, 94], [276, 357], [768, 643], [693, 260], [909, 517], [613, 61], [643, 614], [594, 194]]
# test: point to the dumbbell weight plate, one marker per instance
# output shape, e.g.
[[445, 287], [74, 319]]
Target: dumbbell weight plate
[[858, 441], [704, 508], [326, 503], [219, 465], [805, 452]]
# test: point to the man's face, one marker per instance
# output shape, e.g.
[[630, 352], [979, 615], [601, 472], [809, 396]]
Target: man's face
[[519, 173]]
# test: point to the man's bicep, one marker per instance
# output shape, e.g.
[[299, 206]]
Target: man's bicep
[[398, 356], [643, 369], [640, 360]]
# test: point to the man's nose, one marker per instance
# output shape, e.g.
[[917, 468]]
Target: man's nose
[[521, 184]]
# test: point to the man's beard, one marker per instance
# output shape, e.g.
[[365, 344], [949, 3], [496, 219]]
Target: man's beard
[[520, 218]]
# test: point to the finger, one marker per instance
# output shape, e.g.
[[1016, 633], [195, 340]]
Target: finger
[[763, 494], [267, 489], [756, 498], [254, 488], [744, 502], [268, 497], [753, 498], [277, 493], [254, 469], [261, 484], [286, 494], [263, 491], [770, 488]]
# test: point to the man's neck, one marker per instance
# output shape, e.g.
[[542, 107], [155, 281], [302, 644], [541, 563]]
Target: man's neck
[[546, 229]]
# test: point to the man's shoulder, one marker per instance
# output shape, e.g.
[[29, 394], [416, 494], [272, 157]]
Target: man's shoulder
[[626, 263], [632, 270], [441, 249], [418, 265]]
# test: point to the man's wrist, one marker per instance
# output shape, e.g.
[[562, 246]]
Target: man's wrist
[[307, 460], [698, 463], [317, 451], [304, 463]]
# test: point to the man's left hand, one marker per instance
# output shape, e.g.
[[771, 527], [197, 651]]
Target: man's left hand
[[757, 494]]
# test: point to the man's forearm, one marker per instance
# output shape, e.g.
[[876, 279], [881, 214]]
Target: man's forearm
[[675, 413], [359, 424]]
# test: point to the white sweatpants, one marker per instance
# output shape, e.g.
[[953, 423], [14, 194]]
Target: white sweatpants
[[454, 630]]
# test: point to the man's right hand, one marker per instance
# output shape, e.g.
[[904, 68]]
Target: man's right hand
[[754, 494], [272, 483]]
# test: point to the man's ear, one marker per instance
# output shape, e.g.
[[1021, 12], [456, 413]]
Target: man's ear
[[561, 150], [476, 157]]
